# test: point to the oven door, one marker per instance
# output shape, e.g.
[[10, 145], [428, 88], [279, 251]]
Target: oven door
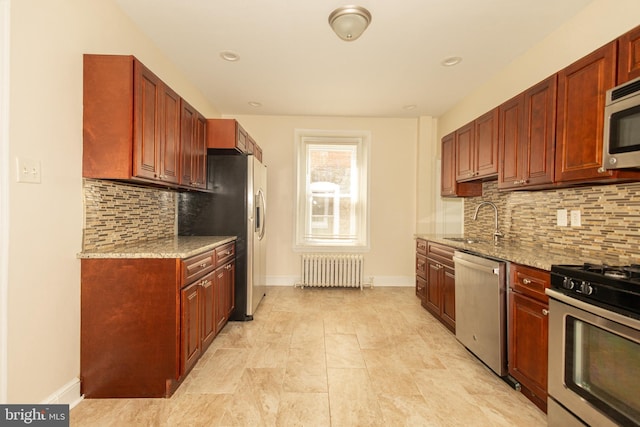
[[594, 362]]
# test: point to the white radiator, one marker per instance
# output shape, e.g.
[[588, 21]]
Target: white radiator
[[332, 270]]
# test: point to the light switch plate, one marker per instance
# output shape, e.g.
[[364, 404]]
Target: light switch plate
[[576, 220], [561, 217], [28, 170]]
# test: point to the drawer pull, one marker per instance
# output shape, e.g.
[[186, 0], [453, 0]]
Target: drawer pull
[[203, 265], [228, 267], [545, 311], [526, 281], [227, 253]]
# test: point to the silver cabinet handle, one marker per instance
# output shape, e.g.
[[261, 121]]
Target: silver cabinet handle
[[526, 281], [545, 311]]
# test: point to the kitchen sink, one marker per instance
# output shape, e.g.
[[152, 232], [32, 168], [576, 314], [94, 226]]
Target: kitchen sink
[[465, 240]]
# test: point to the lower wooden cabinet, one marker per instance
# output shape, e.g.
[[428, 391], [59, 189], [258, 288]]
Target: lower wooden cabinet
[[146, 321], [439, 294], [421, 268], [528, 331]]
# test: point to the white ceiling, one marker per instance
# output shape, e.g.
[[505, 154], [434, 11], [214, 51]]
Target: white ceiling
[[293, 64]]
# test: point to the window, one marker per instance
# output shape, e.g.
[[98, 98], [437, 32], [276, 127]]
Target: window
[[332, 189]]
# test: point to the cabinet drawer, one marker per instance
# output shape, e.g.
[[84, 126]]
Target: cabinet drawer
[[225, 253], [530, 281], [441, 253], [421, 246], [421, 266], [196, 266]]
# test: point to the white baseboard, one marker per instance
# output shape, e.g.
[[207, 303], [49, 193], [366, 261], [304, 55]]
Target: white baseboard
[[399, 281], [68, 394]]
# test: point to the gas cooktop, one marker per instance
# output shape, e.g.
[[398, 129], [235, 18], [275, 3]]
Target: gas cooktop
[[613, 287]]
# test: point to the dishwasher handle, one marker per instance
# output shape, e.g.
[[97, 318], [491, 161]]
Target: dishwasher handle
[[490, 270]]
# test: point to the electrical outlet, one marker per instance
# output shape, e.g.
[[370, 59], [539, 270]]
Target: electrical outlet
[[576, 221], [28, 170], [561, 217]]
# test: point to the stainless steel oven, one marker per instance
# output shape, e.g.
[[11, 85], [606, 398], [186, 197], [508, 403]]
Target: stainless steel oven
[[594, 350]]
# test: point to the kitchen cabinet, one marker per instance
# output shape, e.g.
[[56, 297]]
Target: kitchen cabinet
[[528, 331], [449, 186], [421, 268], [224, 285], [197, 301], [228, 134], [629, 56], [579, 131], [439, 295], [193, 148], [146, 321], [133, 124], [477, 148], [526, 137]]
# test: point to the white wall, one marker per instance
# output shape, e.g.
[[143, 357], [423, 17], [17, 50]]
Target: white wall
[[599, 23], [48, 38], [392, 196]]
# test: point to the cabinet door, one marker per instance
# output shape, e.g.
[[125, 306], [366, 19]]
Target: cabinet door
[[448, 167], [190, 326], [199, 154], [231, 282], [580, 121], [529, 326], [208, 310], [147, 105], [486, 145], [511, 117], [449, 187], [629, 56], [538, 136], [221, 297], [449, 297], [193, 147], [432, 295], [170, 136], [465, 146], [421, 286]]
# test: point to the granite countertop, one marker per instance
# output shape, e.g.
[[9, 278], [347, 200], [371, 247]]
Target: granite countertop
[[173, 247], [512, 251]]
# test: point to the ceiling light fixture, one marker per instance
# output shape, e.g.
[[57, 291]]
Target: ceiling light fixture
[[451, 61], [349, 22], [255, 104], [230, 56], [410, 107]]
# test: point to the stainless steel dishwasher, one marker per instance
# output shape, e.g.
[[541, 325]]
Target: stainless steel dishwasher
[[481, 308]]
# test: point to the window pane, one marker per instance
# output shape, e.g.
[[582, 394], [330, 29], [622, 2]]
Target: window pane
[[331, 205], [331, 191]]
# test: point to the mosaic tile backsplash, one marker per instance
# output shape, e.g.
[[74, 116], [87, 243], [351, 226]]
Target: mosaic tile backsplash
[[117, 213], [610, 217]]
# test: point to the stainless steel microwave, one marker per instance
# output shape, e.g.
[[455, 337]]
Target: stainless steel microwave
[[621, 148]]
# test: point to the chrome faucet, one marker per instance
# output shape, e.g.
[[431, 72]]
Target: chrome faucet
[[496, 234]]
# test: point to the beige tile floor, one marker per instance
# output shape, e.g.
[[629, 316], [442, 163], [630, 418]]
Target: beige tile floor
[[329, 357]]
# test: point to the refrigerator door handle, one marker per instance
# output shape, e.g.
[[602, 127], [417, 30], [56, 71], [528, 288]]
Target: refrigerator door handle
[[261, 212]]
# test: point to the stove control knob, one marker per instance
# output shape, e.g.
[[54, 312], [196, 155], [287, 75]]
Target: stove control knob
[[585, 288], [567, 283]]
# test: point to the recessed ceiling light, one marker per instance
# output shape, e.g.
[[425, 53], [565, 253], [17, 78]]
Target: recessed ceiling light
[[255, 104], [409, 107], [230, 56], [451, 61]]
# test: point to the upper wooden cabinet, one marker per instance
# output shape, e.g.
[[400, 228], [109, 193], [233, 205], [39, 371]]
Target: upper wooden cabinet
[[229, 135], [449, 187], [132, 124], [526, 136], [580, 123], [629, 56], [193, 148], [477, 148]]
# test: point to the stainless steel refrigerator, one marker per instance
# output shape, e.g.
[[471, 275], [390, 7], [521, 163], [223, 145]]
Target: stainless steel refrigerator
[[236, 206]]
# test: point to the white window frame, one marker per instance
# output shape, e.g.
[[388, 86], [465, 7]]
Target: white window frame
[[302, 207]]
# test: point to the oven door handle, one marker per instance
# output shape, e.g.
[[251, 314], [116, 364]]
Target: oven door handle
[[593, 309]]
